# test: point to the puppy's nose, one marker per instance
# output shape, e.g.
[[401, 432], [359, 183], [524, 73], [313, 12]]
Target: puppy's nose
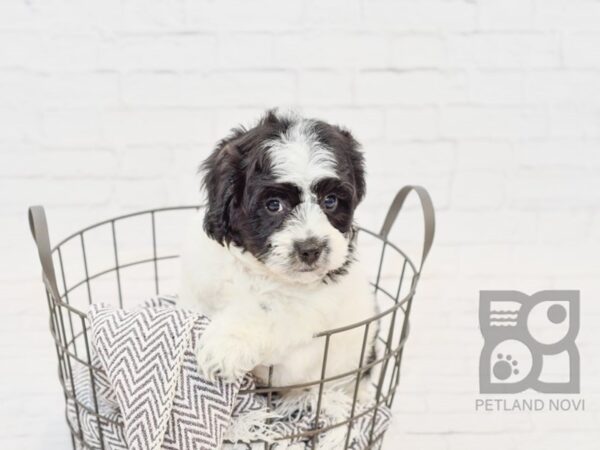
[[309, 250]]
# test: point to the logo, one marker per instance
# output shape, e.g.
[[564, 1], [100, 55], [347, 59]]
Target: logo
[[529, 342]]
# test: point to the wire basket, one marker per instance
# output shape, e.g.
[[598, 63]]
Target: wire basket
[[78, 279]]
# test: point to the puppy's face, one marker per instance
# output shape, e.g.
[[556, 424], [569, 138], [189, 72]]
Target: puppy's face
[[285, 191]]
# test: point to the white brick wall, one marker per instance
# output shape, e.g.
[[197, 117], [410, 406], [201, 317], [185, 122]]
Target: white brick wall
[[493, 105]]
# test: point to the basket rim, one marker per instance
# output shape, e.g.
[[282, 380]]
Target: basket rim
[[384, 239], [199, 207]]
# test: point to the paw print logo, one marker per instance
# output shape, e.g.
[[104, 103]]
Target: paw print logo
[[527, 337], [510, 361], [505, 367]]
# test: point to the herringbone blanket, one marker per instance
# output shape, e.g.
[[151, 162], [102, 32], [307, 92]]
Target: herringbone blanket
[[147, 386]]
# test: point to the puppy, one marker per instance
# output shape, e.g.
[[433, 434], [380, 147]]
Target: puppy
[[273, 260]]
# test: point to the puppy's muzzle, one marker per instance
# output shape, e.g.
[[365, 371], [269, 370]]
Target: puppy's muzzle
[[309, 250]]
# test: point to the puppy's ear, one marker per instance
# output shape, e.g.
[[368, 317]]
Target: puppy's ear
[[347, 149], [357, 162], [224, 188]]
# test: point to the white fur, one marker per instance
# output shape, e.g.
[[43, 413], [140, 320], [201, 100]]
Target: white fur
[[262, 320], [308, 221], [299, 158]]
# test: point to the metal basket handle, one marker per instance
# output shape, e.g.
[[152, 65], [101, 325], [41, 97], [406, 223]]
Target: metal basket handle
[[428, 217], [39, 231]]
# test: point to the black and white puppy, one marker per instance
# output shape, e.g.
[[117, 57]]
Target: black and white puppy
[[275, 261]]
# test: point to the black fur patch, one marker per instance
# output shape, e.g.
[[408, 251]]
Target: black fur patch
[[350, 161], [238, 169], [341, 217], [333, 275]]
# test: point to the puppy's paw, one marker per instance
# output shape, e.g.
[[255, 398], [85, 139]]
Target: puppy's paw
[[224, 356]]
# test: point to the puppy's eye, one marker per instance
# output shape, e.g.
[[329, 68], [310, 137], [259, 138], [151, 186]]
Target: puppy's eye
[[330, 202], [274, 205]]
